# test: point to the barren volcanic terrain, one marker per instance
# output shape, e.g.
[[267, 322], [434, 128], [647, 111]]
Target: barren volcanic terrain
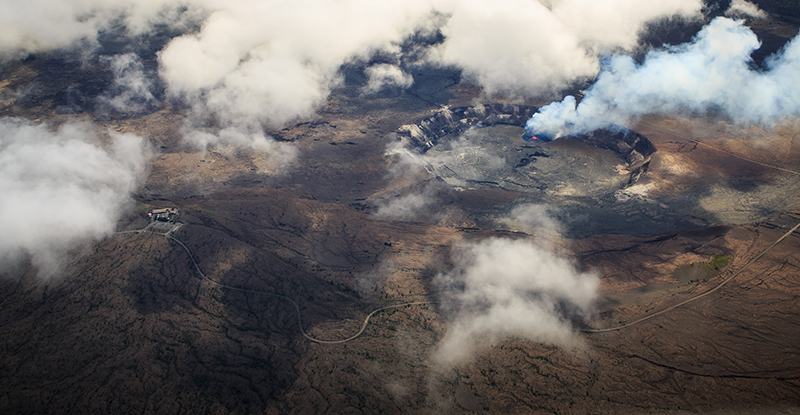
[[330, 272]]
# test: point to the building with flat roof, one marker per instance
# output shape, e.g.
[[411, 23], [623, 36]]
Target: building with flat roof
[[163, 214]]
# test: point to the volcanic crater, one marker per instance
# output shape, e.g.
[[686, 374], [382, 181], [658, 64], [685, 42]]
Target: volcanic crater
[[132, 328], [481, 146]]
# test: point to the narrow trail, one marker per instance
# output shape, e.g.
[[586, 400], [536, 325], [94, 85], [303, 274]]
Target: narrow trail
[[425, 302], [279, 296]]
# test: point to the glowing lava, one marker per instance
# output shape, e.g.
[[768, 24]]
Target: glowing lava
[[529, 136]]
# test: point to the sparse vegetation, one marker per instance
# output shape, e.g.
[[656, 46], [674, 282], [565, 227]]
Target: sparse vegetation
[[719, 262], [701, 271]]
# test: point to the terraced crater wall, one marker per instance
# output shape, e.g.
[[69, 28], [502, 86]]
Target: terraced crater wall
[[634, 148]]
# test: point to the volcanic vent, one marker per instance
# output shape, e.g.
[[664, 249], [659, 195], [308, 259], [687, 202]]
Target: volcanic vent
[[482, 146]]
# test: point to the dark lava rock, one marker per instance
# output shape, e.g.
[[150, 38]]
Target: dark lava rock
[[449, 121]]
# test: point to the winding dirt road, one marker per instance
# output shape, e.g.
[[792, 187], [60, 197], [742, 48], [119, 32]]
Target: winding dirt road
[[699, 296], [296, 306], [396, 306]]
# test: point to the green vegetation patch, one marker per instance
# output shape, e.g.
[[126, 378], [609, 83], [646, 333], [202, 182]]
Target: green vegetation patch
[[701, 271], [718, 263]]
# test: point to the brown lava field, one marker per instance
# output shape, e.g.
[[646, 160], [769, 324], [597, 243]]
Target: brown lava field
[[130, 327]]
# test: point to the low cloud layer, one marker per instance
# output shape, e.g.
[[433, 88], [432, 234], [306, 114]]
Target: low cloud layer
[[534, 219], [746, 9], [501, 288], [406, 169], [270, 63], [279, 154], [42, 25], [524, 48], [418, 191], [249, 64], [62, 188], [255, 61], [713, 73], [385, 75], [131, 91]]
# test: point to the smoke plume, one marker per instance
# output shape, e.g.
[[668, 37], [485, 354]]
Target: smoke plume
[[62, 188], [713, 73], [512, 288]]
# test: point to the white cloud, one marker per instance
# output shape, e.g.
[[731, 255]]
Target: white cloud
[[407, 169], [616, 24], [534, 219], [523, 48], [278, 153], [513, 46], [384, 75], [131, 91], [745, 8], [264, 63], [412, 206], [270, 62], [504, 288], [42, 25], [62, 188]]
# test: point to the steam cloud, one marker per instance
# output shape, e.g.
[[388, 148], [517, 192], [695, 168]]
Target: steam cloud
[[712, 73], [506, 288], [61, 188]]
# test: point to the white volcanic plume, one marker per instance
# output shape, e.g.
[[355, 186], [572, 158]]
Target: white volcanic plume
[[61, 188], [712, 73]]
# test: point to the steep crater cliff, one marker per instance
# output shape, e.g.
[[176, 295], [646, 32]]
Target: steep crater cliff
[[482, 145]]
